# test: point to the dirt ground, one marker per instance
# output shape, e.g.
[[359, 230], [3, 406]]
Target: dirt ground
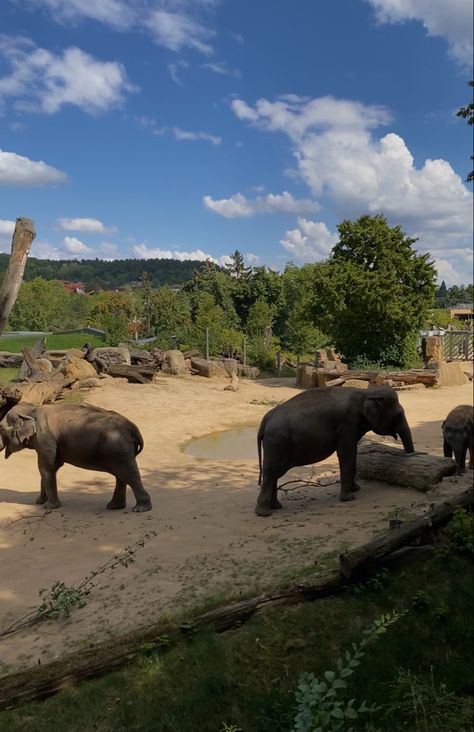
[[209, 543]]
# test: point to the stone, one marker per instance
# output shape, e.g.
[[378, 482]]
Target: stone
[[358, 383], [78, 369], [306, 377], [432, 349], [320, 357], [208, 369], [231, 365], [332, 354], [44, 365], [450, 374], [174, 363], [249, 372], [234, 384], [113, 355], [336, 366]]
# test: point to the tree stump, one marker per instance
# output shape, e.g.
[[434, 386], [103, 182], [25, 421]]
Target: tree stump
[[23, 236], [392, 465]]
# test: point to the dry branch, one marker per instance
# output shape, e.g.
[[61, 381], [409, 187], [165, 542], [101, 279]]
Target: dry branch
[[23, 235]]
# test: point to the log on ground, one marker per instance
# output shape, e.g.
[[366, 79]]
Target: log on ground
[[362, 559], [392, 465], [134, 374]]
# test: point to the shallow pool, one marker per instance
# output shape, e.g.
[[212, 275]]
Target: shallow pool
[[239, 443]]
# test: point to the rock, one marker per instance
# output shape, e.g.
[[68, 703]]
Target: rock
[[193, 353], [449, 374], [336, 366], [174, 363], [387, 382], [231, 365], [90, 383], [432, 349], [320, 357], [324, 376], [234, 384], [113, 355], [306, 377], [78, 369], [332, 354], [208, 369], [44, 365], [358, 383], [408, 387], [248, 372]]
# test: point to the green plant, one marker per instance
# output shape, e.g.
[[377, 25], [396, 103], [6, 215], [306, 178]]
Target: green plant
[[376, 582], [320, 707], [59, 600], [459, 533]]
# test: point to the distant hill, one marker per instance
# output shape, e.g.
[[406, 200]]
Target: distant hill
[[98, 274]]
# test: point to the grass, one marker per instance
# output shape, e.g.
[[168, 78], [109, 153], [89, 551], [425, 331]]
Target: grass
[[420, 672], [53, 342], [8, 375]]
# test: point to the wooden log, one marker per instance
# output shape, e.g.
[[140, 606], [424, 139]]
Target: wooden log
[[44, 391], [23, 236], [392, 465], [363, 558], [132, 373], [10, 360]]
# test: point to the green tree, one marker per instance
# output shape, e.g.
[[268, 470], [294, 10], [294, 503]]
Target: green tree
[[40, 305], [467, 113], [297, 332], [170, 316], [374, 293], [263, 345], [236, 267]]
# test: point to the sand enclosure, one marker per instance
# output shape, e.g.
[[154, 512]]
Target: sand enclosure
[[209, 544]]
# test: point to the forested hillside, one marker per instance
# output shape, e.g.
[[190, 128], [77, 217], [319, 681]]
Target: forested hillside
[[98, 274]]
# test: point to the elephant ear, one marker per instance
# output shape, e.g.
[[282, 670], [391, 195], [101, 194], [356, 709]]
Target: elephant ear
[[373, 407], [25, 427]]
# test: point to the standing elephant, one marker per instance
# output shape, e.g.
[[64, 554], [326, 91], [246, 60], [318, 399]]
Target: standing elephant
[[458, 436], [82, 435], [311, 426]]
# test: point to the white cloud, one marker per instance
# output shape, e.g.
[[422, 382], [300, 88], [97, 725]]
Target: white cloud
[[42, 81], [141, 251], [178, 30], [92, 226], [16, 170], [114, 13], [339, 156], [239, 206], [310, 241], [174, 69], [75, 246], [188, 135], [108, 250], [220, 67], [451, 20], [6, 227]]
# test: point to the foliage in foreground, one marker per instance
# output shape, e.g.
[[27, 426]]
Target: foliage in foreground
[[245, 680]]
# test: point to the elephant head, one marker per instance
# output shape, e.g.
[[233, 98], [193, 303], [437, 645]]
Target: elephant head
[[386, 416], [15, 433]]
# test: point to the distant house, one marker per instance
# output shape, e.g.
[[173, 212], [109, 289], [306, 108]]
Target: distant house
[[462, 311], [78, 288]]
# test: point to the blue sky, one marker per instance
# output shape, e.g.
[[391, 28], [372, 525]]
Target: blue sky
[[191, 128]]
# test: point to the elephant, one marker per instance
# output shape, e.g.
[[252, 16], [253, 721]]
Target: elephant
[[458, 436], [82, 435], [312, 425]]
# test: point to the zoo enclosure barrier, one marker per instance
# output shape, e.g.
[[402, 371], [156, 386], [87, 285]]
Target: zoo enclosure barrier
[[458, 345]]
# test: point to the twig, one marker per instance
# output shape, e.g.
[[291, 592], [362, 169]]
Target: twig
[[301, 481]]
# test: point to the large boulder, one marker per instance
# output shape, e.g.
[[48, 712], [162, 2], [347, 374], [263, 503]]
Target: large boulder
[[448, 374], [209, 369], [174, 363], [432, 349], [306, 377], [231, 365], [78, 369], [248, 372], [358, 383], [113, 355]]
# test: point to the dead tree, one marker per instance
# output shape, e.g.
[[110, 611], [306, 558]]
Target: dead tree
[[23, 236]]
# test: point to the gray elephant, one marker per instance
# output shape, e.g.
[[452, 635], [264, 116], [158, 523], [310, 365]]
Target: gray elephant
[[458, 436], [82, 435], [311, 426]]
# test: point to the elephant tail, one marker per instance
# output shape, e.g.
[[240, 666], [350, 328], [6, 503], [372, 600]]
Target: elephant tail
[[138, 440], [259, 447]]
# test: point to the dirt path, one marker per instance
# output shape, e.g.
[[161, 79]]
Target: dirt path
[[209, 542]]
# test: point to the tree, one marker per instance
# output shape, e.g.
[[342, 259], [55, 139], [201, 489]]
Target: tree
[[373, 294], [236, 267], [467, 113], [41, 305]]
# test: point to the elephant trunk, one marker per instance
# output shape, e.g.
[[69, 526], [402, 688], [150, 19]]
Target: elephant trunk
[[405, 436]]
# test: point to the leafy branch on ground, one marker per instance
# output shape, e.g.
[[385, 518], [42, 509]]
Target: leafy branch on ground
[[319, 702], [300, 482], [58, 600]]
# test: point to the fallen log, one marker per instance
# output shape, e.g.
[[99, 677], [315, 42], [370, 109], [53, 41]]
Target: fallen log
[[10, 360], [134, 374], [362, 559], [392, 465], [45, 391]]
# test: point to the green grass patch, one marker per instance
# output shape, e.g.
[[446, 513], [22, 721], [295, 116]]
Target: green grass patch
[[419, 673], [53, 342], [8, 375]]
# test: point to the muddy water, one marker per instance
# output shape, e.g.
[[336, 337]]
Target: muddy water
[[239, 443]]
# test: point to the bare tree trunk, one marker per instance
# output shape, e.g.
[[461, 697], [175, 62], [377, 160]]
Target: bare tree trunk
[[23, 236]]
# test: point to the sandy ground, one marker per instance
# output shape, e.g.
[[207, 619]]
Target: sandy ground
[[209, 543]]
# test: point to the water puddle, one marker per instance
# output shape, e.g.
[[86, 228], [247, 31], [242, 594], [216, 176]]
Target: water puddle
[[239, 443]]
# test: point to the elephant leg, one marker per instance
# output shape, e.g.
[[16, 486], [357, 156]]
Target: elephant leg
[[118, 499], [275, 503], [460, 457], [49, 489], [42, 498], [347, 456], [471, 457], [447, 451], [130, 475], [268, 492], [355, 487]]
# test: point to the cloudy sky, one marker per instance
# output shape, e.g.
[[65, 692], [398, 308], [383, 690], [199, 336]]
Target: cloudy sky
[[190, 128]]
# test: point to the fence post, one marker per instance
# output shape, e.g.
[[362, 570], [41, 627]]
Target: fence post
[[207, 344], [451, 345], [245, 350]]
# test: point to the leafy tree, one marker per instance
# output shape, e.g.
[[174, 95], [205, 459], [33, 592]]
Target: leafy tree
[[374, 293], [223, 337], [467, 113], [170, 316], [40, 305], [262, 344], [236, 267]]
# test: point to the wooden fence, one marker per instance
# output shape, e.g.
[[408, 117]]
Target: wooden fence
[[458, 345]]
